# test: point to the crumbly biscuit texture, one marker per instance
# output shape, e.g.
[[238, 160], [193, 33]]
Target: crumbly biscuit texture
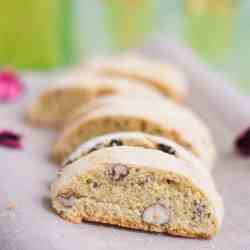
[[141, 189]]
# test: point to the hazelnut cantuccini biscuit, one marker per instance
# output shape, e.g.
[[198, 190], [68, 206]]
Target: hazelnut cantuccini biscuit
[[164, 77], [157, 117], [56, 104], [133, 139], [139, 188]]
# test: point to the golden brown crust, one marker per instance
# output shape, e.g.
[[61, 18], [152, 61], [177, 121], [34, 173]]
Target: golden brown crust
[[131, 225]]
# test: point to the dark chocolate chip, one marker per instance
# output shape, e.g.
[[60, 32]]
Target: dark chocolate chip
[[115, 142], [98, 146], [166, 149], [69, 162]]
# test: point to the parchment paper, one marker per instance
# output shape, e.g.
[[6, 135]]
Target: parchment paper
[[25, 175]]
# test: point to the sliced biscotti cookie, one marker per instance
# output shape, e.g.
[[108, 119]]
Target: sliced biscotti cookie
[[157, 117], [133, 139], [164, 77], [56, 104], [141, 189]]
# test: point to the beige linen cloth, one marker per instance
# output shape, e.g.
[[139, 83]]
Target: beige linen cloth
[[25, 175]]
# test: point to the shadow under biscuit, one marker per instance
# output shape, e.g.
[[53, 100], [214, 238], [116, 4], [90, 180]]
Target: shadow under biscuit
[[46, 203]]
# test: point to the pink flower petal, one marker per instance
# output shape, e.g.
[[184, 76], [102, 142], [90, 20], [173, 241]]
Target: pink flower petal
[[10, 139], [11, 85], [242, 143]]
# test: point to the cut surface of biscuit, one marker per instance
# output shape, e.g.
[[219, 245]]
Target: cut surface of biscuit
[[140, 189], [55, 105], [164, 77], [157, 117]]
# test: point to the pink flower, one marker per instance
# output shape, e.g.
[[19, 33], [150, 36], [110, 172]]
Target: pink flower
[[10, 85], [10, 139]]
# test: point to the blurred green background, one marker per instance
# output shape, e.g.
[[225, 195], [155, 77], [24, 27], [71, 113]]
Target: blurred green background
[[47, 34]]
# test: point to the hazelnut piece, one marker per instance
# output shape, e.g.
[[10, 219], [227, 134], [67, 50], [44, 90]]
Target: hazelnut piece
[[118, 172], [156, 214], [67, 201], [199, 209]]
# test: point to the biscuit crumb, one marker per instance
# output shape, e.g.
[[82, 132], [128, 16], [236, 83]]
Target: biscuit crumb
[[11, 205]]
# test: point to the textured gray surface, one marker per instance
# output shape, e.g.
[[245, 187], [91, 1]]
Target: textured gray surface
[[25, 175]]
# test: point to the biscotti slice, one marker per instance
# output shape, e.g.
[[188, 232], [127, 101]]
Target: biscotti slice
[[133, 139], [164, 77], [158, 117], [56, 104], [141, 189]]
